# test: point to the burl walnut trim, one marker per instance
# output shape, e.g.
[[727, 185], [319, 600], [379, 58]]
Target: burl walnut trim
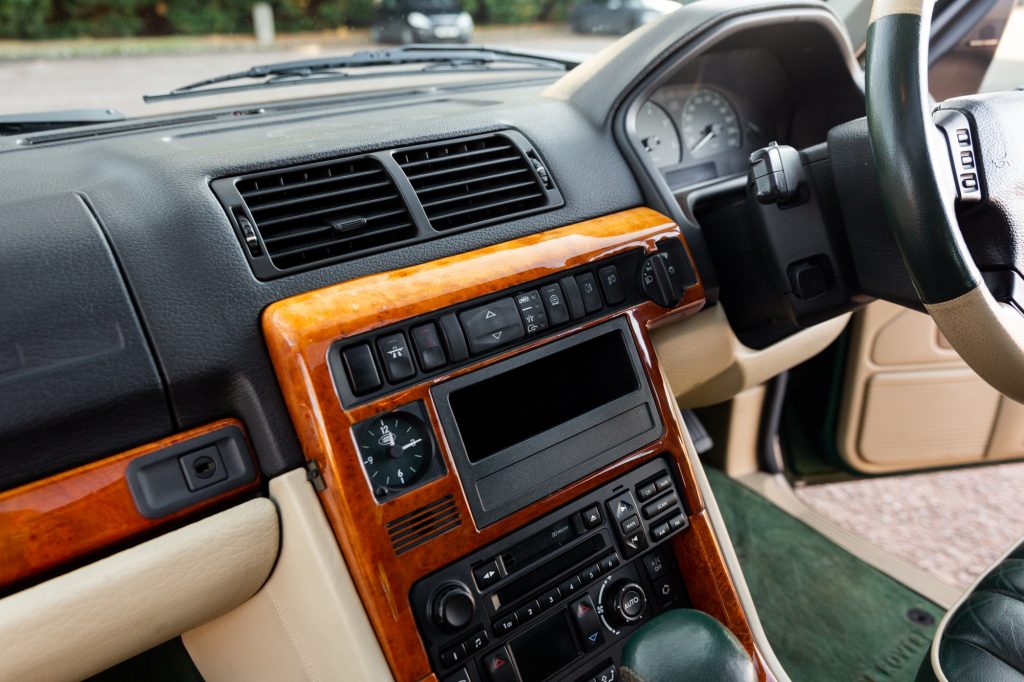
[[80, 515], [300, 331]]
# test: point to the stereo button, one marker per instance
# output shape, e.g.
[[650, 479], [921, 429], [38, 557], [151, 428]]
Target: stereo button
[[622, 507], [658, 506], [505, 625], [676, 522], [635, 543], [609, 562], [659, 532], [592, 517], [460, 676], [476, 642], [663, 483], [492, 325], [590, 573], [630, 524], [499, 666], [453, 656], [529, 611], [487, 574], [571, 586], [550, 598], [646, 492]]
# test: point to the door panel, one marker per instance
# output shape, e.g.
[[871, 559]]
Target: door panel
[[910, 402]]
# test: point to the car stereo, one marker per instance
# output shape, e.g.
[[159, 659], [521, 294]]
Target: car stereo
[[558, 598], [523, 428]]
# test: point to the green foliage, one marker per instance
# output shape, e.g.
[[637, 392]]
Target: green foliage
[[24, 18], [101, 18], [196, 17]]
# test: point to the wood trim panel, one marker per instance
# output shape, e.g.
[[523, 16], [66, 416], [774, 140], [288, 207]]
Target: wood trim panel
[[299, 332], [79, 515]]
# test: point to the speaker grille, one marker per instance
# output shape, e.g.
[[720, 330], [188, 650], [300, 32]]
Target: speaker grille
[[424, 524]]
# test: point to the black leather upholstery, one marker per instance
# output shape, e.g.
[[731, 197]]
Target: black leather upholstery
[[684, 644], [984, 639]]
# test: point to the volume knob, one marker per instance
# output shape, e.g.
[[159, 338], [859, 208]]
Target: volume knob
[[627, 604], [452, 607]]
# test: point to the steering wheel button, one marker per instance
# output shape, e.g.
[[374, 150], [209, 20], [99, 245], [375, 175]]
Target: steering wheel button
[[969, 181], [963, 136]]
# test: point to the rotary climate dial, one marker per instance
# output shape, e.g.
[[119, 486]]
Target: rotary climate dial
[[395, 449]]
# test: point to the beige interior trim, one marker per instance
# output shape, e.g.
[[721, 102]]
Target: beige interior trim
[[85, 621], [884, 8], [777, 490], [706, 363], [307, 622], [743, 431], [988, 335], [910, 402]]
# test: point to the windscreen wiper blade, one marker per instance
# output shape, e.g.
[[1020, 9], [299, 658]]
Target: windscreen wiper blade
[[20, 124], [430, 59]]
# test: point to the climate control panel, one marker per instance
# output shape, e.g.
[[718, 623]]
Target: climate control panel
[[557, 599]]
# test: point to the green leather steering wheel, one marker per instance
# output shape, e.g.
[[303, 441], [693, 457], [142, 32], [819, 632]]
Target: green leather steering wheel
[[918, 181]]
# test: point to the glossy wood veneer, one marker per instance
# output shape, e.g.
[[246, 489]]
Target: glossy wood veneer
[[81, 514], [299, 332]]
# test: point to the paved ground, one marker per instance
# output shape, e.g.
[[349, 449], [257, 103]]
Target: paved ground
[[39, 84], [953, 524]]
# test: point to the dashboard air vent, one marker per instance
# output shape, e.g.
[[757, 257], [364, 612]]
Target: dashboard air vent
[[477, 180], [426, 523], [321, 212]]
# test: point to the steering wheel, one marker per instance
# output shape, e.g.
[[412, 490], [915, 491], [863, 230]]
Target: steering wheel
[[953, 193]]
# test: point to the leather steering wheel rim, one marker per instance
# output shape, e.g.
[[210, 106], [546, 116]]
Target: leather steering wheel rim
[[919, 194]]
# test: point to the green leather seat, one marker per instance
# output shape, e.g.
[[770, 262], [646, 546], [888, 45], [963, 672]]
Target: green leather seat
[[983, 638], [684, 644]]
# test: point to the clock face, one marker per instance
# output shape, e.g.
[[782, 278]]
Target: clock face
[[395, 449]]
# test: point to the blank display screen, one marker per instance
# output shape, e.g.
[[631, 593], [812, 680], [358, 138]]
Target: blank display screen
[[544, 649], [523, 402]]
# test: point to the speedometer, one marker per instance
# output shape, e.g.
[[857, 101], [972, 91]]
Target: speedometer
[[710, 124], [658, 135]]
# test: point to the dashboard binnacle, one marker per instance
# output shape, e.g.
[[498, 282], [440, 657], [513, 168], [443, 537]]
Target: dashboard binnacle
[[713, 113]]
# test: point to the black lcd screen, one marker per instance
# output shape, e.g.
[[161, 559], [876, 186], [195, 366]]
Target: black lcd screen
[[525, 401], [544, 649]]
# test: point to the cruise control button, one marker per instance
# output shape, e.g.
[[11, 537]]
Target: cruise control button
[[486, 575], [658, 506], [554, 304], [532, 310], [591, 517], [361, 369], [611, 284], [587, 622], [499, 666], [394, 352], [573, 297], [588, 290], [428, 346], [492, 325]]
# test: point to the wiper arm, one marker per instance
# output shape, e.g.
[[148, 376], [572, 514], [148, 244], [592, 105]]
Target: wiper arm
[[20, 124], [433, 59]]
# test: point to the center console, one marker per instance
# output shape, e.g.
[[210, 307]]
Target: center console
[[499, 455]]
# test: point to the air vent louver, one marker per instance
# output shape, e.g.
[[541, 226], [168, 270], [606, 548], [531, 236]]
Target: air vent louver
[[426, 523], [325, 211], [474, 181]]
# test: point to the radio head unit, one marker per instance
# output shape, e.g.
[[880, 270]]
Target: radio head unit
[[525, 427]]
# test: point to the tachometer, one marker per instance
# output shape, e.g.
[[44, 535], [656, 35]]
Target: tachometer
[[710, 124], [658, 134]]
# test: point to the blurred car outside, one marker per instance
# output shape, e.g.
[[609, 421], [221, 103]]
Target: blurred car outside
[[617, 16], [421, 21]]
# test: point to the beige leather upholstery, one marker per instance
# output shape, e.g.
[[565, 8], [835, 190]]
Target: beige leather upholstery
[[83, 622], [910, 401], [307, 623], [706, 363]]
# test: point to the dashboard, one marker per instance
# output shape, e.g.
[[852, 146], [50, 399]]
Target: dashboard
[[220, 274]]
